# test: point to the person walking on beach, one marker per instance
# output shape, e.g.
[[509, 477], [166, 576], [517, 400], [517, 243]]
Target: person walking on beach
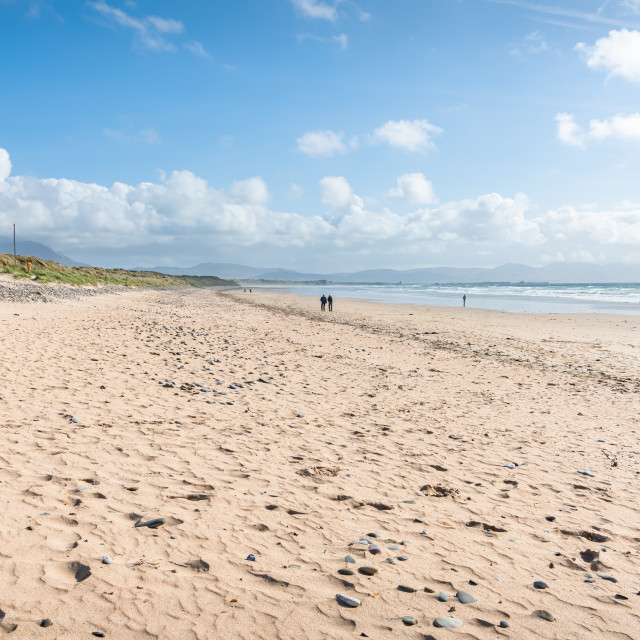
[[323, 302], [464, 300], [330, 301]]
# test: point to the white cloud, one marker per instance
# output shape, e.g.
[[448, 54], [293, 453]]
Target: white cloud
[[532, 43], [410, 135], [618, 53], [295, 191], [414, 188], [341, 40], [569, 132], [184, 211], [149, 136], [632, 5], [150, 32], [197, 49], [620, 127], [316, 9], [322, 143], [336, 191], [5, 165], [250, 191]]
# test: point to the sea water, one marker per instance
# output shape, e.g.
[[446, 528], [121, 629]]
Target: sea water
[[519, 298]]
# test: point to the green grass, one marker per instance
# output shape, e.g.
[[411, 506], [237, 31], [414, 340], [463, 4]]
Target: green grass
[[49, 271]]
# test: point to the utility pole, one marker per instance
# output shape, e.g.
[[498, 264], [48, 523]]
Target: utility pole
[[15, 259]]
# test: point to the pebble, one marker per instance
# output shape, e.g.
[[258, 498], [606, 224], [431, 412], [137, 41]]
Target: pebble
[[374, 535], [447, 622], [443, 597], [350, 559], [368, 571], [395, 547], [47, 622], [540, 584], [374, 549], [251, 557], [550, 518], [403, 558], [545, 615], [473, 583], [347, 601], [406, 589], [590, 580], [465, 598], [510, 465], [504, 624], [409, 621], [152, 524], [98, 634], [106, 560], [586, 473], [346, 572], [606, 576], [390, 561]]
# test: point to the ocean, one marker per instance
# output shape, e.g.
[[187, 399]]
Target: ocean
[[621, 298]]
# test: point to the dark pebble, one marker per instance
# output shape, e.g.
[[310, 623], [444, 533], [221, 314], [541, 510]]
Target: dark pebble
[[47, 622]]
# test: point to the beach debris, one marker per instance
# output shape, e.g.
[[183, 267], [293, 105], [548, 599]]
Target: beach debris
[[151, 524], [347, 601]]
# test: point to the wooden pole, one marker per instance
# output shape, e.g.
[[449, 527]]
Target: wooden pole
[[15, 259]]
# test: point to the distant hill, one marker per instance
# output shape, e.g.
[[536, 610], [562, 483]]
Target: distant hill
[[556, 272], [38, 250]]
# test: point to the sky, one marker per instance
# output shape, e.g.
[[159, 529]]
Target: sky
[[322, 135]]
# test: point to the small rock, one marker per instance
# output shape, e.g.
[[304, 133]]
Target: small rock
[[409, 621], [98, 634], [510, 465], [350, 559], [550, 518], [606, 576], [403, 558], [545, 615], [395, 547], [347, 601], [504, 624], [106, 560], [47, 622], [152, 524], [443, 597], [406, 589], [373, 535], [251, 557], [590, 580], [346, 572], [465, 598], [473, 583], [374, 549], [368, 571], [447, 622], [586, 473], [390, 561], [428, 590], [540, 584]]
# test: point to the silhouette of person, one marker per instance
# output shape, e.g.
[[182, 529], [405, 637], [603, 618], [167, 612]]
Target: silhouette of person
[[330, 301], [323, 302], [464, 300]]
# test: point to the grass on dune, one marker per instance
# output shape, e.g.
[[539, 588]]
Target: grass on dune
[[48, 271]]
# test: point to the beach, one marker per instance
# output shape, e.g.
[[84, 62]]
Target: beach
[[460, 454]]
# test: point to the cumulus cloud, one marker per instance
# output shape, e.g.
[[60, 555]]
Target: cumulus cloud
[[414, 188], [618, 53], [620, 127], [322, 143], [250, 191], [409, 135], [316, 9], [183, 211], [5, 165]]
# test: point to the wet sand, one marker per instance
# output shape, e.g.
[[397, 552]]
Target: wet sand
[[260, 428]]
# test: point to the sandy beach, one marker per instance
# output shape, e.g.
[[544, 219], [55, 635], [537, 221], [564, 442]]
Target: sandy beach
[[460, 454]]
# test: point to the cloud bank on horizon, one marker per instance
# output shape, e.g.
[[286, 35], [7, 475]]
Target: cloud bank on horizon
[[372, 135], [184, 207]]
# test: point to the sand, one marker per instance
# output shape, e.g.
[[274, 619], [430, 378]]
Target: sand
[[375, 419]]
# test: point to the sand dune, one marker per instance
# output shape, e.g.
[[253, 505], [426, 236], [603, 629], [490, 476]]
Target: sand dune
[[255, 425]]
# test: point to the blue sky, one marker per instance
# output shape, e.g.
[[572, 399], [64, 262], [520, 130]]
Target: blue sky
[[317, 134]]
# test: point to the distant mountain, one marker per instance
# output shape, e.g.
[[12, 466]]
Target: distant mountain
[[38, 250], [556, 272]]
